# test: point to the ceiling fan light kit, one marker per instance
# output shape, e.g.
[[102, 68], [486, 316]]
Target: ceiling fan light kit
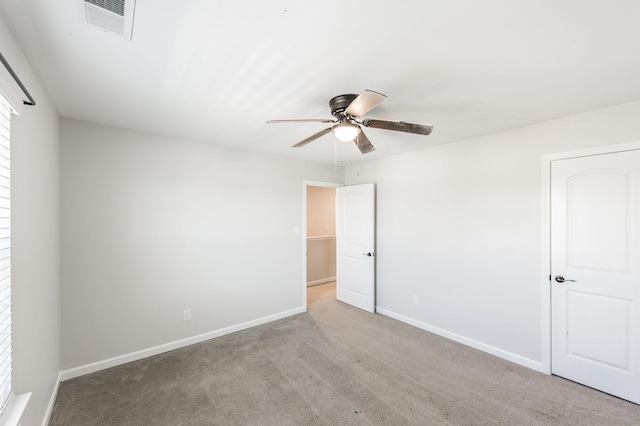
[[347, 109], [345, 131]]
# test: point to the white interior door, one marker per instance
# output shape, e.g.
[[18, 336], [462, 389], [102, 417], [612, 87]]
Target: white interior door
[[355, 230], [595, 241]]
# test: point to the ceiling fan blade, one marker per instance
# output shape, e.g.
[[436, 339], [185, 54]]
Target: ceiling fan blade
[[400, 126], [365, 102], [363, 143], [312, 137], [303, 120]]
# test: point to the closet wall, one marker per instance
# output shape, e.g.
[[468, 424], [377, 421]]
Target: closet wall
[[321, 235]]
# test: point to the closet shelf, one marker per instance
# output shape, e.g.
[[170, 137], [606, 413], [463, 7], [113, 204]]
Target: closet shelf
[[321, 237]]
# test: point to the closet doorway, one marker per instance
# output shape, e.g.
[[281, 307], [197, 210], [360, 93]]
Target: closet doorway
[[319, 238]]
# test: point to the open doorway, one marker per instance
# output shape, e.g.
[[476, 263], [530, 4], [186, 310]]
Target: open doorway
[[319, 241]]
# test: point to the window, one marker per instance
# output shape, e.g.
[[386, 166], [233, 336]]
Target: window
[[5, 253]]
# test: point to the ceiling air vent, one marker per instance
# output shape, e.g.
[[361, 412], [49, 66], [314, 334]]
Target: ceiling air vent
[[115, 16]]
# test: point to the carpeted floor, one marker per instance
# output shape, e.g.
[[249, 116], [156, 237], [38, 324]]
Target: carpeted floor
[[334, 365]]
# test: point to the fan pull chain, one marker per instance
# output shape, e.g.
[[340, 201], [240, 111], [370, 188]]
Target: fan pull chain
[[335, 156]]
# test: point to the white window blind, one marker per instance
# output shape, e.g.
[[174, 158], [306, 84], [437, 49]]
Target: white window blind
[[5, 253]]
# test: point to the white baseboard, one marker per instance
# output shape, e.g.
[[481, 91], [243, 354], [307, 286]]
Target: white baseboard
[[322, 281], [52, 401], [501, 353], [135, 356]]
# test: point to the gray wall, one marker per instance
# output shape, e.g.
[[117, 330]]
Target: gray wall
[[35, 210], [153, 226], [460, 226]]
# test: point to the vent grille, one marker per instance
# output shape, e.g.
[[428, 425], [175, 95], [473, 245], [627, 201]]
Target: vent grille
[[114, 16], [107, 21], [113, 6]]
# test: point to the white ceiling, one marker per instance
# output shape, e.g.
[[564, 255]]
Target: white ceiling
[[216, 71]]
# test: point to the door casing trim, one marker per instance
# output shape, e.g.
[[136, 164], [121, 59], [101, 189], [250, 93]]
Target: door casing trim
[[545, 282]]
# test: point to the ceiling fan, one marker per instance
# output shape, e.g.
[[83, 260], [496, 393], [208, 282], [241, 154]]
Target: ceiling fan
[[347, 124]]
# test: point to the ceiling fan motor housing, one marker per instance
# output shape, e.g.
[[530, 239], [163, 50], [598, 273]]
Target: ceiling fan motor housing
[[340, 103]]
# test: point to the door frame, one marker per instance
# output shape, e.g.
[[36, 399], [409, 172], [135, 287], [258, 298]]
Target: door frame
[[545, 278], [305, 184]]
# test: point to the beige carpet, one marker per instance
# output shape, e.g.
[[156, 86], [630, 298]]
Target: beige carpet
[[334, 365]]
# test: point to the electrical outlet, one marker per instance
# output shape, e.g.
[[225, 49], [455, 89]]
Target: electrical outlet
[[414, 299], [187, 315]]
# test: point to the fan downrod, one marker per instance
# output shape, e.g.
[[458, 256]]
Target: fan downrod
[[340, 103]]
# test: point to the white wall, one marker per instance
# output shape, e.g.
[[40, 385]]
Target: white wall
[[460, 226], [35, 210], [153, 226]]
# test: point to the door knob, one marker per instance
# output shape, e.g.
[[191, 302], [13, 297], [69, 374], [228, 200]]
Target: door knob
[[368, 254], [561, 279]]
